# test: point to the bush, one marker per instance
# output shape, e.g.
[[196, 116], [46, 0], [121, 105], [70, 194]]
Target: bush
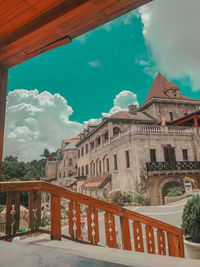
[[45, 220], [115, 197], [140, 198], [127, 198], [188, 180], [191, 219], [175, 191]]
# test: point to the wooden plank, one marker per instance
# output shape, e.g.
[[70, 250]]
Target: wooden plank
[[78, 220], [38, 209], [71, 216], [150, 241], [125, 232], [20, 186], [55, 218], [181, 245], [30, 210], [3, 92], [89, 224], [111, 238], [95, 239], [96, 227], [138, 237], [161, 242], [9, 198], [17, 200], [174, 245]]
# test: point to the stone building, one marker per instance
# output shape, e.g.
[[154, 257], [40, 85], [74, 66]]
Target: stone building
[[145, 148], [64, 169]]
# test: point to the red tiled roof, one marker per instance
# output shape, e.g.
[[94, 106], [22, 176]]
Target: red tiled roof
[[140, 116], [96, 181], [160, 85], [77, 139]]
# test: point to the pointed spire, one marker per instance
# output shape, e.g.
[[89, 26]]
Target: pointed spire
[[160, 86]]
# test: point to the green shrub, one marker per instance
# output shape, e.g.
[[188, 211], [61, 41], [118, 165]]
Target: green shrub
[[127, 198], [191, 219], [188, 180], [140, 198], [45, 220], [175, 191]]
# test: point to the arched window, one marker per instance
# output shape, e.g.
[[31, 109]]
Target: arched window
[[70, 162], [116, 131]]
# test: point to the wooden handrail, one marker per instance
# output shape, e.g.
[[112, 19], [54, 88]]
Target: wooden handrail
[[174, 234]]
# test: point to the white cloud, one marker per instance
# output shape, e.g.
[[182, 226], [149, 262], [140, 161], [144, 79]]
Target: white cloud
[[95, 63], [171, 31], [35, 121]]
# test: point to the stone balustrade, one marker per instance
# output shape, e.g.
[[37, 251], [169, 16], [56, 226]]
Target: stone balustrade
[[156, 129]]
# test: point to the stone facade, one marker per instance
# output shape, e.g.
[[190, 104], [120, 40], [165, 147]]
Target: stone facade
[[124, 144]]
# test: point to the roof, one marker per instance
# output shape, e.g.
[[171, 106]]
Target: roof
[[29, 28], [97, 181], [193, 114], [160, 86], [126, 115]]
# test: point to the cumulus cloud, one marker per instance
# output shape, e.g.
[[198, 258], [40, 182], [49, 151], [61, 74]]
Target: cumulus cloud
[[171, 31], [95, 63], [35, 121]]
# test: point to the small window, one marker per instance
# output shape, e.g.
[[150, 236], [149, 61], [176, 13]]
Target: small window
[[79, 153], [116, 131], [70, 162], [100, 167], [93, 168], [99, 140], [92, 145], [106, 136], [86, 148], [82, 170], [185, 154], [127, 159], [107, 161], [171, 116], [115, 162], [64, 174], [79, 171], [86, 170], [82, 151], [152, 155]]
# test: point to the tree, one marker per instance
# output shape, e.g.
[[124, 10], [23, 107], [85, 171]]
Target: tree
[[46, 153]]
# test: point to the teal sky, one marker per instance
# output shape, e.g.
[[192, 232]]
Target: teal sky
[[115, 54]]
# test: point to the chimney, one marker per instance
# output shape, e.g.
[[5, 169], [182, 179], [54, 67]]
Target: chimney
[[132, 109]]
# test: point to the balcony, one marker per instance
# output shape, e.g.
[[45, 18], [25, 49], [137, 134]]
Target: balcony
[[180, 166]]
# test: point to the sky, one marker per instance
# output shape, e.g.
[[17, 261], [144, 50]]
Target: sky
[[53, 96]]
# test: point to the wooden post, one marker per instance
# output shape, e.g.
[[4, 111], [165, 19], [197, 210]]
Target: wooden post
[[55, 218], [9, 198], [3, 92], [125, 232], [196, 125]]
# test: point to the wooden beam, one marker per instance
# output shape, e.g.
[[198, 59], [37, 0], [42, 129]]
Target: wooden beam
[[196, 125], [3, 92]]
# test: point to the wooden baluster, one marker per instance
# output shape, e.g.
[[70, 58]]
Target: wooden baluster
[[9, 198], [30, 209], [161, 242], [93, 225], [38, 209], [125, 232], [55, 218], [74, 219], [174, 245], [111, 239], [17, 199], [138, 237], [150, 239], [181, 245]]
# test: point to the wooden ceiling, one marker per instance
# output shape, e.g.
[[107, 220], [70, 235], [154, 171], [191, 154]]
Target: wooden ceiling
[[31, 27]]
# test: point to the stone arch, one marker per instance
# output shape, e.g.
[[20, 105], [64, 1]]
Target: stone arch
[[164, 182], [116, 130], [105, 163]]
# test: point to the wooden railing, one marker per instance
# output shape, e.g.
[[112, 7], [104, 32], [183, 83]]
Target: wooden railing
[[175, 165], [138, 232]]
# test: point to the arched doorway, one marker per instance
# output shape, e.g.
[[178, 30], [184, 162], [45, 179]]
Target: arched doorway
[[166, 187]]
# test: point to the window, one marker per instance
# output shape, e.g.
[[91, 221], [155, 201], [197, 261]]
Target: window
[[127, 159], [79, 153], [107, 161], [86, 170], [86, 148], [116, 131], [82, 170], [63, 174], [82, 151], [70, 162], [98, 140], [115, 162], [185, 154], [169, 154], [171, 116], [93, 168], [92, 145], [79, 171], [100, 167], [106, 136], [152, 155]]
